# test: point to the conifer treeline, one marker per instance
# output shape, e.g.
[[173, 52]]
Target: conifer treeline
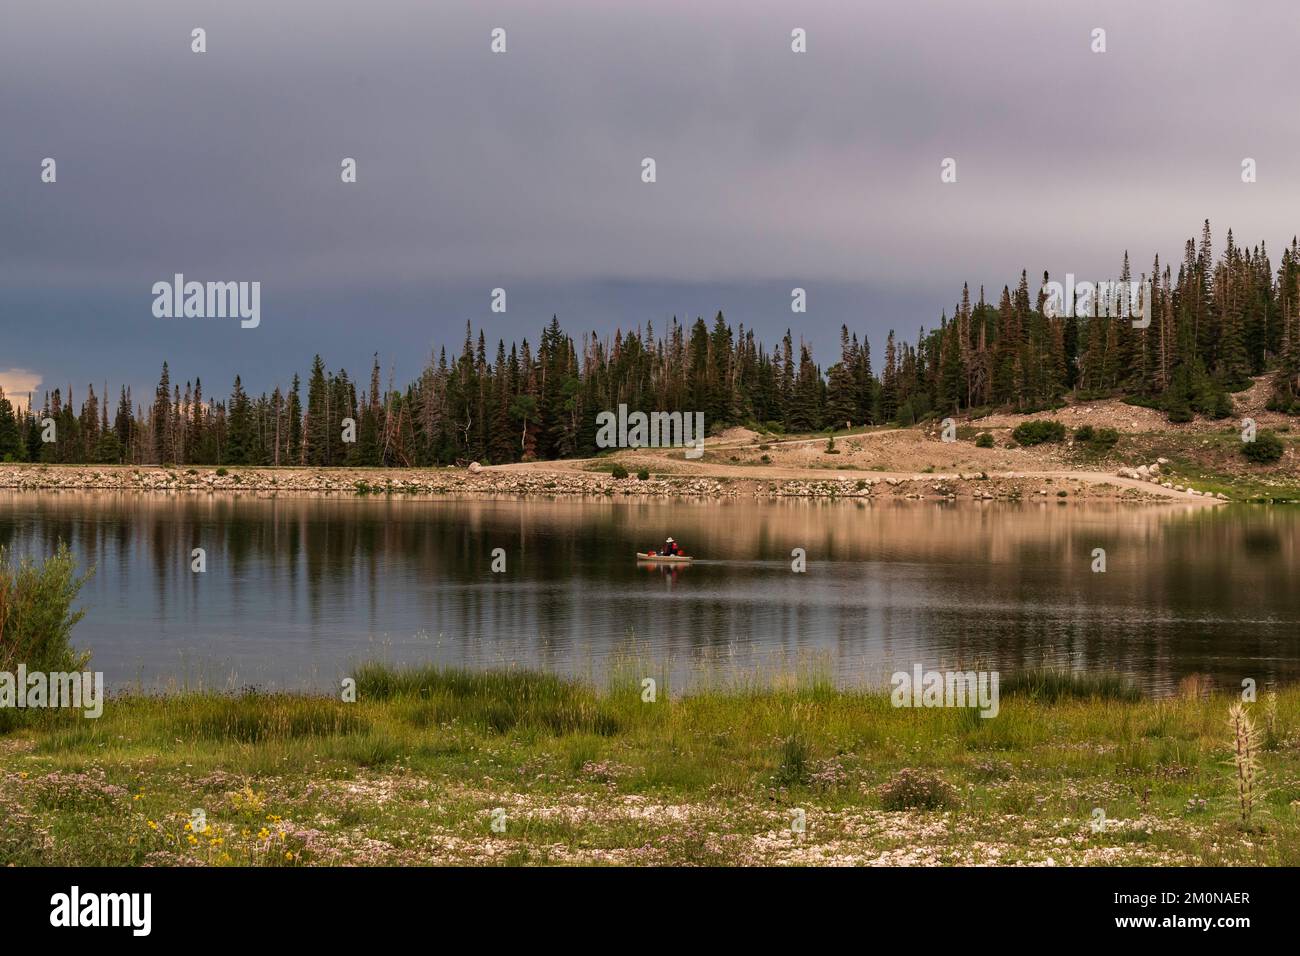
[[1214, 324]]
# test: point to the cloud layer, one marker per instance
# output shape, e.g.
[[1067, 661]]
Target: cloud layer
[[522, 170]]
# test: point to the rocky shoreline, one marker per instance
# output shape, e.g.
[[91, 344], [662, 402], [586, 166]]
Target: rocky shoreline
[[441, 482]]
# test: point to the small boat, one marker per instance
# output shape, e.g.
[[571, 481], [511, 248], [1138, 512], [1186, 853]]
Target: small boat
[[664, 558]]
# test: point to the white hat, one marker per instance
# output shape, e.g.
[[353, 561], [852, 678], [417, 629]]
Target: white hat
[[668, 541]]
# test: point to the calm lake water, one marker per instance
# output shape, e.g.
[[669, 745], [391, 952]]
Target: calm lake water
[[298, 590]]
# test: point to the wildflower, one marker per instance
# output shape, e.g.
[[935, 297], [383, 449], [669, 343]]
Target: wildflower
[[288, 854], [152, 825], [263, 833]]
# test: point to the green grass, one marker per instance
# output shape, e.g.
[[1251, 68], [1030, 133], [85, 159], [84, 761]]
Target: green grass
[[414, 770], [1212, 462]]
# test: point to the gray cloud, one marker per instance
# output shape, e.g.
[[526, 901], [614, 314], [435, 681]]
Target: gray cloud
[[523, 170]]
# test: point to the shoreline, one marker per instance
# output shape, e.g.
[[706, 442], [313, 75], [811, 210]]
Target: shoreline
[[423, 764], [566, 478]]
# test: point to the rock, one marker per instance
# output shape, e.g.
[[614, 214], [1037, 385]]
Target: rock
[[475, 468]]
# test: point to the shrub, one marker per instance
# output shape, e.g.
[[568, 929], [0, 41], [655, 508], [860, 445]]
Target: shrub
[[36, 616], [983, 440], [1223, 406], [1097, 439], [1265, 449], [221, 472], [1039, 431], [1105, 438], [643, 474], [915, 790], [618, 471]]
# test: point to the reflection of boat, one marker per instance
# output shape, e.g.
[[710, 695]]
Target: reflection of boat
[[663, 558]]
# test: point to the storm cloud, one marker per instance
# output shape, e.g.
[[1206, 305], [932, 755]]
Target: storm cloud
[[522, 171]]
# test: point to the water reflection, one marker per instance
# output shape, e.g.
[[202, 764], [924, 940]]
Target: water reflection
[[298, 589]]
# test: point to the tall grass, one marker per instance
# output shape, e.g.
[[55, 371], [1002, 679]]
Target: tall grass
[[496, 701], [1051, 685]]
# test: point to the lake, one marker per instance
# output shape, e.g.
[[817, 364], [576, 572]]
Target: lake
[[298, 590]]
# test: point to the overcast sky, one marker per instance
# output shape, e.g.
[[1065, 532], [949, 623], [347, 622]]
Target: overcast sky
[[523, 170]]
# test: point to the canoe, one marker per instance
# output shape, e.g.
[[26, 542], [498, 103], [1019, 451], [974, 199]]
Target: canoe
[[664, 558]]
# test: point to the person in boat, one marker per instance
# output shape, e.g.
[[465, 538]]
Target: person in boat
[[671, 549]]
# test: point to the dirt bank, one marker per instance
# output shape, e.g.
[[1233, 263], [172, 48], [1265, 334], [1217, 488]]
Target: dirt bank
[[709, 480]]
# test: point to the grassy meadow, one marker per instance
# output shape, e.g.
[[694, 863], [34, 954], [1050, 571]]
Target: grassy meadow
[[453, 767]]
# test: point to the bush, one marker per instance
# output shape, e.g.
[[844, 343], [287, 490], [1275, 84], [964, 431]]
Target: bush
[[221, 472], [1105, 438], [1223, 406], [1039, 431], [618, 471], [915, 790], [36, 616], [643, 474], [1097, 439], [983, 440], [1265, 449]]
